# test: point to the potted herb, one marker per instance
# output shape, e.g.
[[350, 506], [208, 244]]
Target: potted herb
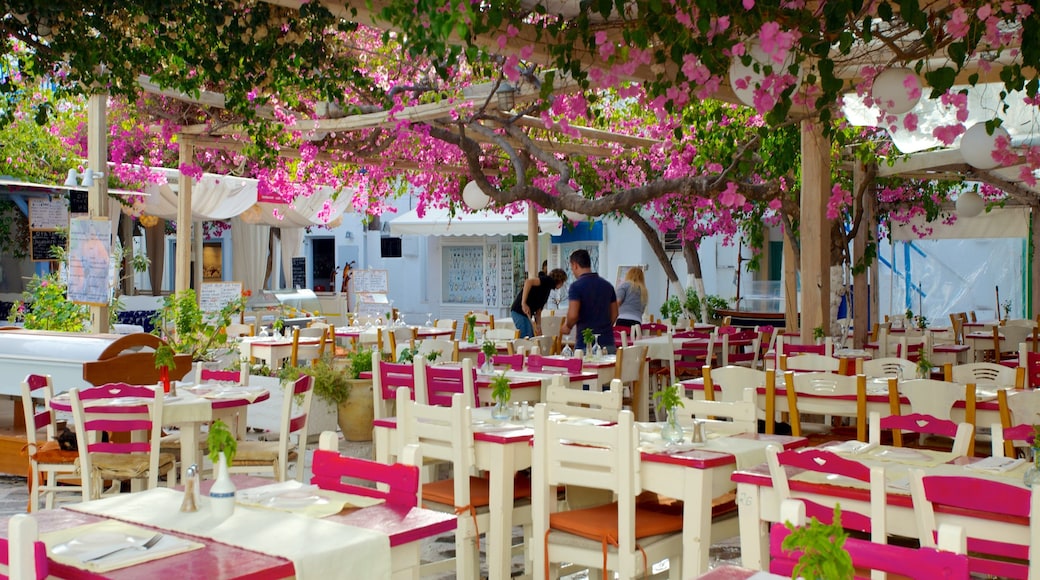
[[332, 389], [822, 547], [501, 392], [164, 361], [278, 325], [222, 447], [668, 399]]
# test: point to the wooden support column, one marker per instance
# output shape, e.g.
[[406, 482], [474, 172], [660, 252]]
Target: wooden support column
[[532, 241], [1034, 262], [791, 269], [182, 272], [97, 194], [861, 287], [815, 229]]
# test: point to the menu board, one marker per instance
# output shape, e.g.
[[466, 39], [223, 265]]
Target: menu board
[[215, 295], [299, 272], [41, 242], [370, 281], [91, 271], [48, 214]]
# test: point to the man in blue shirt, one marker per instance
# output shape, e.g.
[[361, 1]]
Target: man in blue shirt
[[591, 303]]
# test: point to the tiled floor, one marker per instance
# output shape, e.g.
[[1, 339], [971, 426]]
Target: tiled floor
[[14, 498]]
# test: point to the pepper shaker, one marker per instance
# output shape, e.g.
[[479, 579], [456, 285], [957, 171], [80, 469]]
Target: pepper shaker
[[525, 411], [192, 491]]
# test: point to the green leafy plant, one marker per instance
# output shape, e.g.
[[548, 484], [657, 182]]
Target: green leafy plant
[[501, 392], [489, 349], [331, 382], [278, 325], [189, 330], [817, 333], [471, 327], [1006, 307], [692, 305], [924, 367], [672, 309], [408, 355], [823, 550], [164, 356], [44, 306], [668, 397], [220, 438], [358, 361], [588, 337]]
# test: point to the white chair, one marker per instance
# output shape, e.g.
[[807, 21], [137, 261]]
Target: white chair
[[624, 536], [900, 368], [729, 417], [236, 330], [937, 398], [400, 338], [827, 394], [1017, 409], [110, 416], [447, 323], [51, 469], [809, 362], [446, 434], [960, 433], [551, 328], [303, 351], [985, 375], [25, 554], [581, 403], [502, 337], [274, 457], [448, 348], [630, 369]]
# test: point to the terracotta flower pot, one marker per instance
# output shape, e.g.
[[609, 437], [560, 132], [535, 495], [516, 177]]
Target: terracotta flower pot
[[355, 414]]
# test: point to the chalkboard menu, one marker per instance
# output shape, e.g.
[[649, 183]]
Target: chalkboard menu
[[78, 202], [41, 242], [299, 272]]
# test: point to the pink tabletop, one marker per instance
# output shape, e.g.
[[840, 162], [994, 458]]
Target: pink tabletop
[[61, 403], [705, 459]]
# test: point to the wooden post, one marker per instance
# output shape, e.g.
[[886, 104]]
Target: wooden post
[[791, 269], [182, 272], [1033, 288], [815, 229], [532, 241], [97, 194]]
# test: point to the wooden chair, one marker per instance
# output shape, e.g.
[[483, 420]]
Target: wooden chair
[[985, 375], [204, 373], [1023, 408], [547, 364], [398, 483], [990, 556], [387, 377], [307, 353], [603, 405], [811, 362], [400, 338], [947, 562], [442, 382], [731, 380], [741, 355], [630, 369], [730, 417], [523, 346], [119, 441], [962, 434], [130, 359], [551, 326], [900, 368], [625, 536], [445, 433], [51, 469], [821, 393], [502, 337], [872, 520], [483, 320], [936, 399], [1004, 440], [22, 551], [449, 349], [1007, 338], [511, 361], [274, 457], [957, 320]]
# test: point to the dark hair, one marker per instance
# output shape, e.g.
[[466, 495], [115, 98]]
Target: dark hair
[[558, 276], [581, 258]]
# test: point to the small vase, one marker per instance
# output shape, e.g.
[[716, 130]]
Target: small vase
[[1032, 475], [672, 431], [164, 378], [501, 411], [472, 335], [222, 494]]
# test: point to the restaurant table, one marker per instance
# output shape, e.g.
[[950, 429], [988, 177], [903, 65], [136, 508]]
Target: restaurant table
[[759, 505], [694, 475], [189, 411], [379, 541], [271, 350], [353, 332], [728, 572], [527, 385], [981, 341]]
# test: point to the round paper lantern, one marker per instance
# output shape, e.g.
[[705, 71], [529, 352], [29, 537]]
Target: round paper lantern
[[474, 197], [739, 73], [969, 204], [574, 216], [977, 146], [896, 90]]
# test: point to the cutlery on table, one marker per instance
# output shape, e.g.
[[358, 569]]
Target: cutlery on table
[[150, 542]]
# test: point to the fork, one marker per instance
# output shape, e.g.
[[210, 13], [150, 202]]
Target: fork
[[152, 541]]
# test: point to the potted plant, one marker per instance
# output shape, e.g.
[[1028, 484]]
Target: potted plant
[[924, 367], [489, 349], [222, 447], [818, 334], [668, 399], [501, 392], [188, 330], [332, 388], [164, 360], [471, 328], [589, 338], [355, 412], [671, 310], [822, 548]]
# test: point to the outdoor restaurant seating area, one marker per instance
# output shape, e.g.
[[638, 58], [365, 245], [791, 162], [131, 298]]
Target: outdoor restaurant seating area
[[538, 463]]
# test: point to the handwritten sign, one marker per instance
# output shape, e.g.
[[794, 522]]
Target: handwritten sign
[[299, 272], [215, 295], [370, 281], [91, 272], [41, 242], [48, 214]]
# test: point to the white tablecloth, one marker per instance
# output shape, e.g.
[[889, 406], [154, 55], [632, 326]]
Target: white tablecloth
[[318, 549]]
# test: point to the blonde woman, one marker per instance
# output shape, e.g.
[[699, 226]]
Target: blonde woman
[[632, 297]]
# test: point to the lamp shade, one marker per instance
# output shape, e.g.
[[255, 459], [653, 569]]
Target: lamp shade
[[474, 197], [70, 180], [574, 216], [969, 204], [977, 146], [896, 90], [744, 79]]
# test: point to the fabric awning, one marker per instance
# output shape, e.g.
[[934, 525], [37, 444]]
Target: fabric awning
[[436, 222], [1008, 222]]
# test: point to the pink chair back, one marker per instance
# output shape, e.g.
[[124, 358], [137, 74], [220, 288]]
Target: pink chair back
[[121, 419], [951, 493], [792, 349], [1033, 369], [921, 423], [513, 361], [219, 375], [444, 381], [822, 461], [44, 417], [544, 364], [653, 328], [337, 472], [692, 334], [394, 375], [739, 354]]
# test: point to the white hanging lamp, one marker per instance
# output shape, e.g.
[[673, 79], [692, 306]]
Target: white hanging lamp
[[473, 197], [896, 90], [977, 146]]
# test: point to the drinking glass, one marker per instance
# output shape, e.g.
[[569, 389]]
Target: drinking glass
[[594, 350], [429, 319]]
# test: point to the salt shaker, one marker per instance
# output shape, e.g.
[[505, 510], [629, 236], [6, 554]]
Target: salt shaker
[[525, 411], [516, 411], [192, 493], [698, 432]]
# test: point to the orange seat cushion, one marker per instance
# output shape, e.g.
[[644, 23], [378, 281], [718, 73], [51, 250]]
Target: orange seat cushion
[[443, 491], [600, 523]]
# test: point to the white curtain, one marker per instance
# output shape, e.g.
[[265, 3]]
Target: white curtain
[[292, 245], [249, 248]]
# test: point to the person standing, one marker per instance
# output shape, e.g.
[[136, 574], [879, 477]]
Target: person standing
[[632, 298], [531, 299], [591, 303]]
